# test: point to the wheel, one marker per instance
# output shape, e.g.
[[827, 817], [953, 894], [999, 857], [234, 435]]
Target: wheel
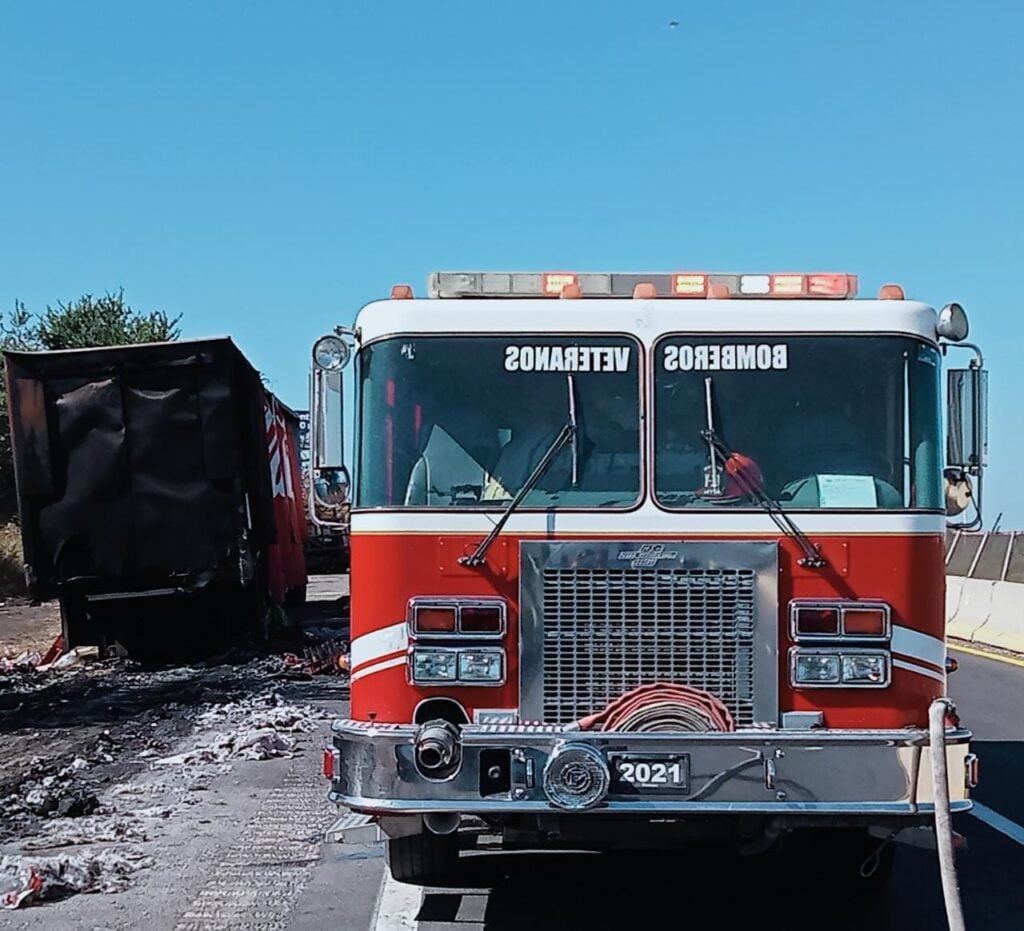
[[425, 859], [849, 860]]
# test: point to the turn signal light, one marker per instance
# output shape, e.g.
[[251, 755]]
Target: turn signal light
[[434, 620], [839, 620], [864, 622], [481, 619], [457, 616], [817, 622]]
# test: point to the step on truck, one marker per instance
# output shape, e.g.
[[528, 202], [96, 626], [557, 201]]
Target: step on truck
[[650, 560]]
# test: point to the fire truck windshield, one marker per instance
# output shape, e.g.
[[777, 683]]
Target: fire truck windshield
[[462, 421], [847, 422]]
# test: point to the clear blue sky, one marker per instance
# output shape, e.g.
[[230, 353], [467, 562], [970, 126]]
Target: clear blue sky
[[266, 168]]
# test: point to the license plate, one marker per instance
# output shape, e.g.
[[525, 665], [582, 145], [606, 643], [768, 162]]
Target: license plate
[[634, 774]]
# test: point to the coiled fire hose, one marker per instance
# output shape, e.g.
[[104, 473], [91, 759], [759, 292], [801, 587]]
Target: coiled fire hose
[[663, 706], [937, 714]]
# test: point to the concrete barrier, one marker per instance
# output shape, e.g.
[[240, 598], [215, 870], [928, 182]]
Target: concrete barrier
[[1005, 625], [973, 608], [984, 612], [954, 594]]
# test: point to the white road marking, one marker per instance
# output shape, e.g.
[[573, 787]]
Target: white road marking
[[1002, 824], [398, 904]]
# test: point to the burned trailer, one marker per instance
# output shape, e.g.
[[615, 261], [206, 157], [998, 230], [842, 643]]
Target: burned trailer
[[158, 486]]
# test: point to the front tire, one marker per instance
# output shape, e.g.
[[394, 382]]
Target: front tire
[[425, 859]]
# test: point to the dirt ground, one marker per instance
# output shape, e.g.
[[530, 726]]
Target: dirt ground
[[25, 626]]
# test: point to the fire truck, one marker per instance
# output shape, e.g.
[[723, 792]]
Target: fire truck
[[651, 560]]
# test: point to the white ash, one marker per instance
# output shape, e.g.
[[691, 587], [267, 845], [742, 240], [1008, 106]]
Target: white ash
[[259, 728], [90, 829], [270, 712]]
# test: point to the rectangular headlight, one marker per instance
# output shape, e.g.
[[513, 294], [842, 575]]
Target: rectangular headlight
[[865, 669], [430, 666], [481, 666], [816, 669]]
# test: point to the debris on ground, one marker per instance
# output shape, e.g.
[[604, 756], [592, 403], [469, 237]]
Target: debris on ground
[[56, 794], [33, 659], [100, 750], [79, 656], [329, 657], [27, 659], [54, 652], [259, 728], [25, 880], [90, 829]]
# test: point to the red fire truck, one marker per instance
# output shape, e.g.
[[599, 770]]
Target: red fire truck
[[655, 563]]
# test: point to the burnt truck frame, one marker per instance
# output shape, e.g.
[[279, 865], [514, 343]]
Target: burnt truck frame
[[145, 492]]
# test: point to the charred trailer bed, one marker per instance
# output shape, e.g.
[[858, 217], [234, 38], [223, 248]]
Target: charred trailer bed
[[159, 493]]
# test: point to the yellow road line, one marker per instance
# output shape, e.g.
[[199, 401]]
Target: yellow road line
[[999, 657]]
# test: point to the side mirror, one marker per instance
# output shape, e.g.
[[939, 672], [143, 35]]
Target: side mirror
[[966, 439], [329, 479], [331, 487], [967, 419]]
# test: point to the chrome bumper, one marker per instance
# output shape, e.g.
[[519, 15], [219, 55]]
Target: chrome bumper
[[837, 772]]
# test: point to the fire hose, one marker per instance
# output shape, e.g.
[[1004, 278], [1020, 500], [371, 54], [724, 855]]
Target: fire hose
[[663, 706], [937, 714]]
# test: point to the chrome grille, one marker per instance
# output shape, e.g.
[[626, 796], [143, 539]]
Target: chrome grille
[[606, 631]]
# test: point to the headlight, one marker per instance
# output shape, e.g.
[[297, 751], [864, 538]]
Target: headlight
[[868, 669], [481, 666], [816, 669], [430, 666], [838, 669], [331, 353]]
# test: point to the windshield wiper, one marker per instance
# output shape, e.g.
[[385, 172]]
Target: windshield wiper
[[720, 453], [568, 434]]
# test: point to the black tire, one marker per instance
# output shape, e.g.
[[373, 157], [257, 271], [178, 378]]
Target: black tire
[[425, 859], [849, 860]]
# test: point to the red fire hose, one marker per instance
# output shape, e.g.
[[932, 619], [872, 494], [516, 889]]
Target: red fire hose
[[662, 706]]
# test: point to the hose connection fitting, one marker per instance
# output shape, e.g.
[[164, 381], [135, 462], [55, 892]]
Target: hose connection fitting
[[437, 750]]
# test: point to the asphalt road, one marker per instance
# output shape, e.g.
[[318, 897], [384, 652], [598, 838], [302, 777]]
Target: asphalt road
[[697, 890]]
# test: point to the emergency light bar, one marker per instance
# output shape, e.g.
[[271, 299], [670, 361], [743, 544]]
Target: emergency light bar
[[828, 285]]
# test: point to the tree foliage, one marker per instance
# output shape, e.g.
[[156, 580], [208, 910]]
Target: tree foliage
[[80, 324]]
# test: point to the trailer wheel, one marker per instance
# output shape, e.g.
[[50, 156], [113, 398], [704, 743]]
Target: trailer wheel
[[425, 859]]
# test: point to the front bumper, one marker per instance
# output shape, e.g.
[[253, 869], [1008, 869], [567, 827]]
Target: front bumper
[[855, 773]]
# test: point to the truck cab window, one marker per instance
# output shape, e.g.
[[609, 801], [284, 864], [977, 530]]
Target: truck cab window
[[842, 422], [452, 421]]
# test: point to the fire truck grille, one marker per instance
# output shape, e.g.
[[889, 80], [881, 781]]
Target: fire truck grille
[[606, 631]]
